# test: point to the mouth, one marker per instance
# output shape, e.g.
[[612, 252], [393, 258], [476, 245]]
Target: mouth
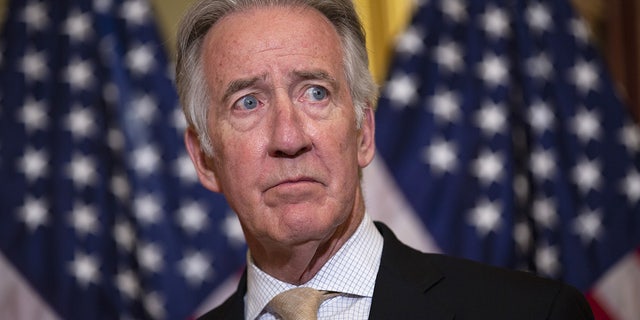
[[293, 190], [295, 181], [291, 182]]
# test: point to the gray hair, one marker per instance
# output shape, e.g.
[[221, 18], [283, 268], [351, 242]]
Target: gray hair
[[190, 79]]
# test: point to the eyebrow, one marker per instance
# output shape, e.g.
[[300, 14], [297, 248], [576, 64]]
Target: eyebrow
[[313, 75], [240, 84]]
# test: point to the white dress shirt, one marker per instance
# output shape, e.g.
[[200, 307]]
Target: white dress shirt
[[351, 271]]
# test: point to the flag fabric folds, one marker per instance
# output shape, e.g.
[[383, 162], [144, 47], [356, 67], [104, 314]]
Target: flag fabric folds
[[501, 127], [102, 214]]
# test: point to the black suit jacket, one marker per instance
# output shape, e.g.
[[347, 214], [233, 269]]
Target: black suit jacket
[[414, 285]]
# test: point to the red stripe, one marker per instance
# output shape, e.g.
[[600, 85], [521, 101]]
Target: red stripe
[[599, 312]]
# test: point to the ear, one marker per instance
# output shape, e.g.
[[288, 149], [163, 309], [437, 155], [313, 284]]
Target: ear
[[366, 138], [202, 163]]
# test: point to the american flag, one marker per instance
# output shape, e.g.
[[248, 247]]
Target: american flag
[[102, 216], [504, 134]]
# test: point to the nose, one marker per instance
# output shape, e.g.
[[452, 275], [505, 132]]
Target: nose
[[289, 137]]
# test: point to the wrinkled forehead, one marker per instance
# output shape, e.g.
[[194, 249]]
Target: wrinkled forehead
[[266, 25], [254, 40]]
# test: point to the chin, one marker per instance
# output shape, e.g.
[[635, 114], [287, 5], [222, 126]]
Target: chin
[[304, 230]]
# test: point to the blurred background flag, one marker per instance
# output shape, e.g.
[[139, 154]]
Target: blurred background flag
[[502, 130], [500, 139], [102, 216]]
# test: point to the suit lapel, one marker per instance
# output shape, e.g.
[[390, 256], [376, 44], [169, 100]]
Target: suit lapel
[[233, 307], [405, 283]]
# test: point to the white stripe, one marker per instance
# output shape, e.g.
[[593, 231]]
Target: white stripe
[[385, 202], [618, 291], [18, 301]]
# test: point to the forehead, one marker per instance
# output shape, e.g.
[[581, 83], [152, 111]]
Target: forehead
[[270, 37]]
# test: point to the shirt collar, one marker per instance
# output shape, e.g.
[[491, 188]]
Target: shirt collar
[[339, 274]]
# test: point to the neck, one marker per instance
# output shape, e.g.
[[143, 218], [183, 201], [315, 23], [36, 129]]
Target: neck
[[300, 263]]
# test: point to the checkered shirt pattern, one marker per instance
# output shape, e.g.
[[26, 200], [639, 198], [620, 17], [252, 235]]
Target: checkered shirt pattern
[[355, 281]]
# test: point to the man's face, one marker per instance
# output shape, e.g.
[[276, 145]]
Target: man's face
[[286, 148]]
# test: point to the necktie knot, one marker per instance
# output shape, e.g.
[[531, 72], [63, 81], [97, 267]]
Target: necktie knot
[[299, 303]]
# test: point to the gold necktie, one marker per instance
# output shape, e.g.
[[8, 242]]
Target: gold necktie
[[299, 303]]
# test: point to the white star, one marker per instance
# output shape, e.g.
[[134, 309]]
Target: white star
[[495, 22], [111, 93], [410, 42], [538, 17], [80, 122], [493, 70], [84, 219], [35, 16], [488, 167], [147, 209], [195, 267], [522, 235], [586, 174], [544, 213], [154, 305], [34, 213], [140, 59], [520, 184], [579, 30], [79, 74], [81, 170], [445, 105], [119, 186], [192, 217], [546, 260], [541, 117], [128, 284], [150, 257], [402, 90], [144, 108], [441, 156], [78, 26], [588, 225], [491, 118], [539, 67], [116, 140], [631, 186], [33, 115], [586, 125], [178, 120], [145, 160], [630, 137], [448, 55], [233, 229], [485, 217], [34, 66], [455, 10], [85, 269], [102, 6], [124, 235], [135, 11], [585, 76], [184, 169], [542, 164], [34, 164]]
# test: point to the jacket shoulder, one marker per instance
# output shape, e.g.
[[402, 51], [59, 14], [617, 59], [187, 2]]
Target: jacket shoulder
[[493, 288], [469, 289]]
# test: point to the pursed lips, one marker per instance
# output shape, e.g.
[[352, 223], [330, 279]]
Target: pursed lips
[[293, 181]]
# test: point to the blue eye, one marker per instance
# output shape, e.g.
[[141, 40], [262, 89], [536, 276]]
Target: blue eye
[[248, 102], [317, 93]]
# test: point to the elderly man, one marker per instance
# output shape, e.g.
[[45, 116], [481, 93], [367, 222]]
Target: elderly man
[[279, 101]]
